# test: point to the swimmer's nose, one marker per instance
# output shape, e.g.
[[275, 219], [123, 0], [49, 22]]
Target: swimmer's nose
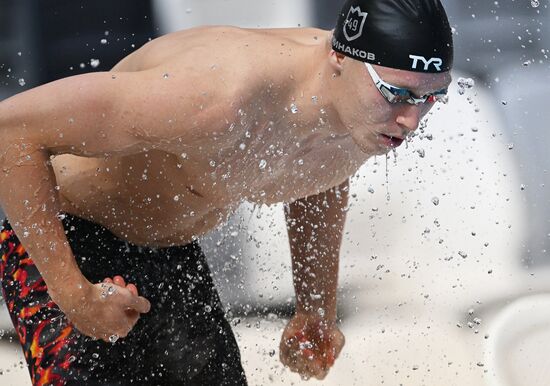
[[409, 117]]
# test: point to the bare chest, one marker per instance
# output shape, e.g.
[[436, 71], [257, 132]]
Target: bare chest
[[183, 192]]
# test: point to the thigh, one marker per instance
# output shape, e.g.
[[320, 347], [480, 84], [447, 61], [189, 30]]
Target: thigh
[[55, 352], [194, 344], [45, 336]]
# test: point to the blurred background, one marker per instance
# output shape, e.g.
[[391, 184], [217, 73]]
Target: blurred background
[[445, 271]]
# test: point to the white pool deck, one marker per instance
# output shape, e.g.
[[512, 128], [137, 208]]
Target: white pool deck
[[410, 310]]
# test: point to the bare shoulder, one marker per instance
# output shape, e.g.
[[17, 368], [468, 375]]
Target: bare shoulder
[[178, 46], [219, 44]]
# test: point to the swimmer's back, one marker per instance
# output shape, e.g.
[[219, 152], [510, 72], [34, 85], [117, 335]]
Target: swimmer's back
[[219, 43]]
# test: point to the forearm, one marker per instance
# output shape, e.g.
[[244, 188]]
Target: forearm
[[315, 276], [315, 226], [29, 198]]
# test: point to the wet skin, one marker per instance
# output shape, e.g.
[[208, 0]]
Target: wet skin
[[129, 193], [166, 145]]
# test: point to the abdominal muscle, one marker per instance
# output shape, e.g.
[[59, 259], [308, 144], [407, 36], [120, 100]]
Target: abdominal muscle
[[143, 212]]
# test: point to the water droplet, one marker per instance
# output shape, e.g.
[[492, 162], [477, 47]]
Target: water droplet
[[463, 254], [535, 3], [504, 103], [293, 108], [421, 153], [435, 200], [242, 146], [522, 187], [510, 146], [165, 75], [188, 10], [465, 84], [262, 164], [300, 161], [21, 82], [212, 163], [103, 41], [113, 338], [271, 353], [443, 99], [176, 197], [183, 155], [314, 99], [526, 63], [94, 63], [207, 308]]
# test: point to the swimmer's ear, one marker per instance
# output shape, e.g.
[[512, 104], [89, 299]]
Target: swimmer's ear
[[336, 61]]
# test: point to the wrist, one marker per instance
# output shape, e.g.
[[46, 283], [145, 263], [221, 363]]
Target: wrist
[[69, 292], [325, 314]]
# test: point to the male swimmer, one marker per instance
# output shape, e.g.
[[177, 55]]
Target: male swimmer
[[108, 179]]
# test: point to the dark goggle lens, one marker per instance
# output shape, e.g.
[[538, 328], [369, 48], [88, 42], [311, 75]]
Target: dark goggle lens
[[395, 95], [389, 95], [399, 95]]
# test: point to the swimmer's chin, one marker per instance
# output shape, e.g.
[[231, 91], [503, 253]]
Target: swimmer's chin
[[371, 149]]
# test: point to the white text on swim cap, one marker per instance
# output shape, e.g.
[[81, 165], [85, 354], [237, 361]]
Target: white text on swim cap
[[354, 52], [437, 62]]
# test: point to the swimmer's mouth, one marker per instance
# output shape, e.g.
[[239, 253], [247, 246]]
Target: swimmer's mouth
[[390, 141]]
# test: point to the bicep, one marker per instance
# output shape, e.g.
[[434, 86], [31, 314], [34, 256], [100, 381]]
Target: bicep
[[85, 114]]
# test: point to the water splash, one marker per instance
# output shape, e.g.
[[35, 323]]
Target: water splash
[[388, 197]]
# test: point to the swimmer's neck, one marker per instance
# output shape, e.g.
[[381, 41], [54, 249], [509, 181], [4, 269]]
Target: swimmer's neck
[[311, 88]]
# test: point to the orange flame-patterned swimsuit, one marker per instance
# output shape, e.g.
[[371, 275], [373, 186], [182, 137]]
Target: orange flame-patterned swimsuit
[[183, 340]]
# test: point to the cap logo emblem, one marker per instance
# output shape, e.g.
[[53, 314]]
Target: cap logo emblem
[[355, 20]]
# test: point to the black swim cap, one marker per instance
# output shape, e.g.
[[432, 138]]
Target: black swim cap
[[412, 35]]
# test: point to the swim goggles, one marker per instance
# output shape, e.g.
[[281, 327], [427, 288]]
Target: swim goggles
[[395, 94]]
